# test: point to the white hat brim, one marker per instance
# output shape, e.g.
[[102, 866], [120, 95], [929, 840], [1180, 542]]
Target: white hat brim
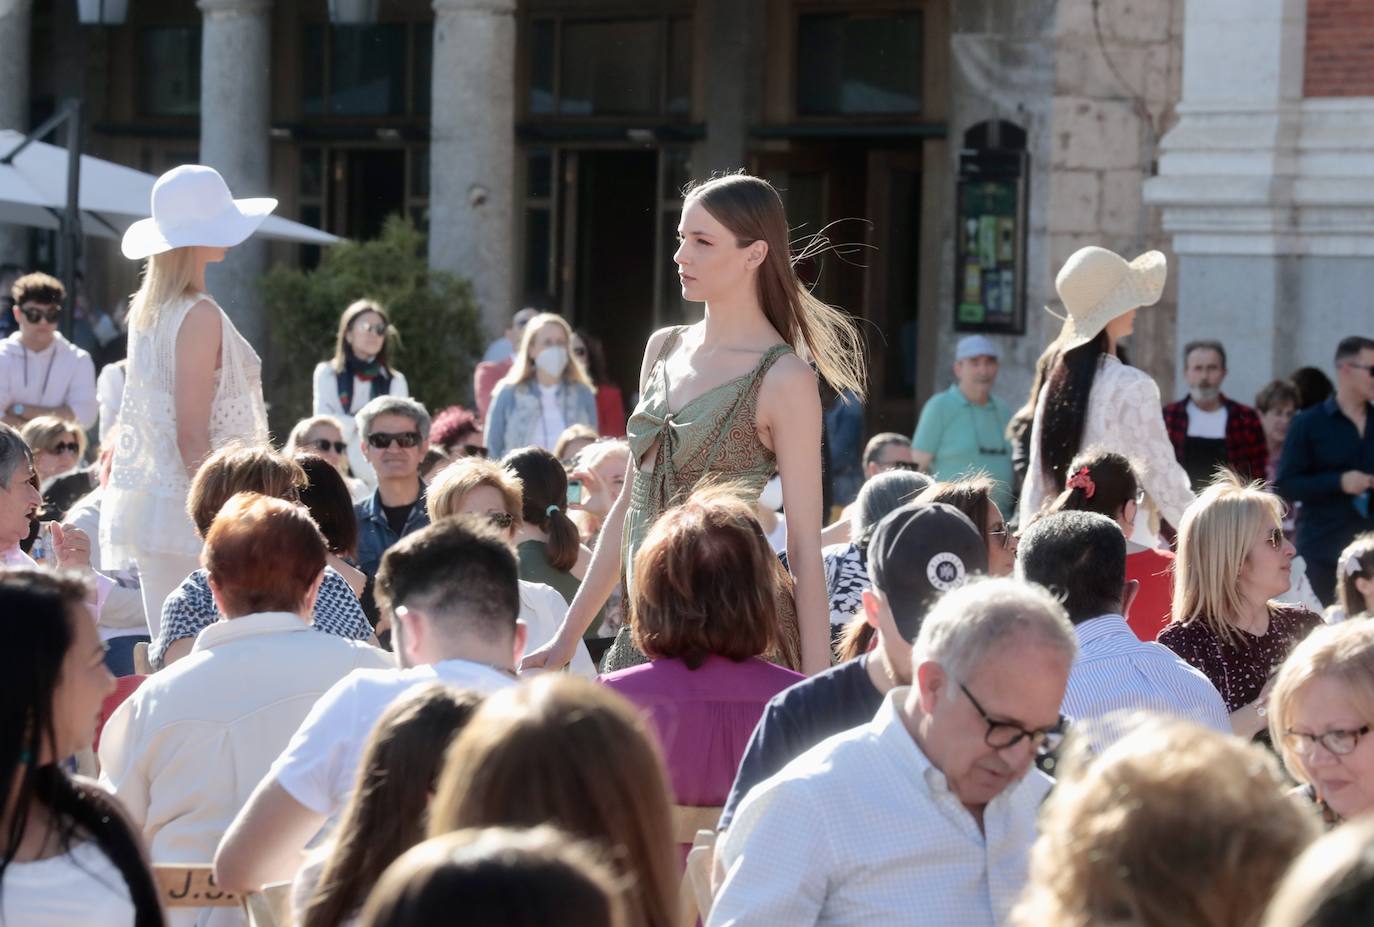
[[1143, 285], [145, 237]]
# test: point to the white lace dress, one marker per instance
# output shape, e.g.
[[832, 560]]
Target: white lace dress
[[144, 511], [1124, 416]]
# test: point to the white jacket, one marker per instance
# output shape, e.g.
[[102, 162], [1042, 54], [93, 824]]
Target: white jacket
[[184, 752]]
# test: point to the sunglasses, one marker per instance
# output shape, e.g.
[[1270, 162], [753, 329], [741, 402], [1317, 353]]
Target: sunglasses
[[473, 450], [1275, 538], [382, 440], [375, 327], [324, 444], [903, 465], [65, 447], [502, 520], [1367, 368], [47, 315]]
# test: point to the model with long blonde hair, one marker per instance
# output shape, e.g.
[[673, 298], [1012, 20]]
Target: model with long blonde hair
[[1233, 562], [730, 398], [194, 383]]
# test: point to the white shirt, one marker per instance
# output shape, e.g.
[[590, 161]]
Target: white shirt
[[551, 421], [122, 613], [1117, 672], [184, 752], [80, 887], [543, 608], [60, 375], [318, 766], [1203, 424], [862, 829]]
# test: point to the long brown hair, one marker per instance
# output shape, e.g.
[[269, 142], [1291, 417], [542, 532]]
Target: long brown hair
[[544, 502], [386, 815], [752, 210], [350, 315], [564, 751]]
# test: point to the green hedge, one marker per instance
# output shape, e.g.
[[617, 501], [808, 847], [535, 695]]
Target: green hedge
[[434, 312]]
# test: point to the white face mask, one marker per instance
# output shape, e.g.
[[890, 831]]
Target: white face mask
[[552, 360]]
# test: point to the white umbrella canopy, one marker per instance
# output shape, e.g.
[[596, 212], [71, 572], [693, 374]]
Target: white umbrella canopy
[[33, 192]]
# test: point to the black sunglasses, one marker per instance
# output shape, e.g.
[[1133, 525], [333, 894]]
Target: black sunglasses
[[1003, 734], [473, 450], [63, 447], [324, 444], [502, 520], [1275, 538], [47, 315], [382, 440]]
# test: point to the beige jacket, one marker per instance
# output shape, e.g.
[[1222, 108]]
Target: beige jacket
[[184, 752]]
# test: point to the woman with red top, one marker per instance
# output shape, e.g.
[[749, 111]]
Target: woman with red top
[[1103, 482], [1233, 561], [610, 402]]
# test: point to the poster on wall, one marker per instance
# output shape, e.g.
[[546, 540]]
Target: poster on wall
[[990, 245]]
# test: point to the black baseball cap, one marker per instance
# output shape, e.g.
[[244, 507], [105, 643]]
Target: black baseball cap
[[920, 551]]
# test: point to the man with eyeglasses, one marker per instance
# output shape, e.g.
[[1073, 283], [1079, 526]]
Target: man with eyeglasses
[[1328, 466], [963, 430], [41, 372], [927, 813], [1082, 556], [395, 437]]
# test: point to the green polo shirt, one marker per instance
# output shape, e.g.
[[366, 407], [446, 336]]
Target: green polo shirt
[[963, 437]]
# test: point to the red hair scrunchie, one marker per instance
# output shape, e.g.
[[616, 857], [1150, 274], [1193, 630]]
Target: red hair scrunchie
[[1084, 481]]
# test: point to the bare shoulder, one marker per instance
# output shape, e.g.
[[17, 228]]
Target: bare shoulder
[[789, 374], [201, 320], [651, 349]]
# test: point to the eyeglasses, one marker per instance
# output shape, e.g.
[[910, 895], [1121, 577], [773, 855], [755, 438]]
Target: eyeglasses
[[902, 465], [473, 450], [1004, 534], [382, 440], [47, 315], [324, 444], [1004, 734], [502, 520], [1367, 368], [1339, 743], [375, 328], [65, 447], [1275, 538]]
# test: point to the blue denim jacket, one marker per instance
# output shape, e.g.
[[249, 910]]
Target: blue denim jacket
[[514, 417], [375, 535]]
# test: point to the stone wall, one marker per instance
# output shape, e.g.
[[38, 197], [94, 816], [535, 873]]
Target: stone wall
[[1116, 84], [1339, 49]]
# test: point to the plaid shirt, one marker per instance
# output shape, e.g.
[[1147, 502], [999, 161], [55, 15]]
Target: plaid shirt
[[1246, 450]]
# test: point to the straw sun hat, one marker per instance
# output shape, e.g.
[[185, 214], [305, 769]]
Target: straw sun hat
[[192, 206], [1097, 285]]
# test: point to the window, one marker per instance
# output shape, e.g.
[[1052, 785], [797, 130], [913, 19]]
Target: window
[[610, 67], [169, 71], [858, 64], [379, 70]]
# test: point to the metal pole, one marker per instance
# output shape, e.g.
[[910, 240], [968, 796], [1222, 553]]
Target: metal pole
[[71, 217]]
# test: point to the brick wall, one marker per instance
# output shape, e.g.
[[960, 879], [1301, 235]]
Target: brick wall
[[1339, 59]]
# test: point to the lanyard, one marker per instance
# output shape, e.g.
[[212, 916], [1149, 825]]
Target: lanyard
[[51, 360]]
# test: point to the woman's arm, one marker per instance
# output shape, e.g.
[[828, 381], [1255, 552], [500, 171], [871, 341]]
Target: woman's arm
[[197, 359], [1142, 437], [604, 570], [790, 412]]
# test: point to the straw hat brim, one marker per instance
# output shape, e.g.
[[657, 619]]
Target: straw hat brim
[[232, 227], [1142, 285]]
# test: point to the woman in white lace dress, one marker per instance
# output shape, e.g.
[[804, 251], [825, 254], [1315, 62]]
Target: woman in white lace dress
[[194, 384], [1092, 397]]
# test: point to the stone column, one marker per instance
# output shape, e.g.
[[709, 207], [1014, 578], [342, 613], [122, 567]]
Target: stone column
[[472, 151], [1231, 186], [14, 100], [730, 85], [235, 110]]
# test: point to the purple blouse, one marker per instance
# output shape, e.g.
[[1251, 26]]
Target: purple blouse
[[703, 718]]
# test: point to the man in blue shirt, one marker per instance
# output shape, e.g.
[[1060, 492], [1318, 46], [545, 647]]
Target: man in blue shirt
[[1328, 465], [963, 430], [395, 436]]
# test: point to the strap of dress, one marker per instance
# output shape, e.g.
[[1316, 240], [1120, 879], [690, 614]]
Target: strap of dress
[[660, 362]]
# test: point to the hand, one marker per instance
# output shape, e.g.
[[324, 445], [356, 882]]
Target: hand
[[551, 657], [1354, 482], [72, 547]]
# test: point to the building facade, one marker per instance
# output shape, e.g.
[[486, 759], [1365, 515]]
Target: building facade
[[954, 152]]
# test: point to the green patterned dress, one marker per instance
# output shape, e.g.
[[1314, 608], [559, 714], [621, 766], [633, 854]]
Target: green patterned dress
[[715, 437]]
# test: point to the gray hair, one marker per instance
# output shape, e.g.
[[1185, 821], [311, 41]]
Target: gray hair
[[393, 405], [881, 495], [13, 453], [967, 623]]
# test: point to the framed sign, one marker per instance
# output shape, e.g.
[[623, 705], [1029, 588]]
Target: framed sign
[[990, 242]]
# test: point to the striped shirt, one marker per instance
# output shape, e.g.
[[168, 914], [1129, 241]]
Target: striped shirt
[[1115, 671]]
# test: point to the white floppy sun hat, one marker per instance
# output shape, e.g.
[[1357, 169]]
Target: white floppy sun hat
[[1097, 285], [192, 206]]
